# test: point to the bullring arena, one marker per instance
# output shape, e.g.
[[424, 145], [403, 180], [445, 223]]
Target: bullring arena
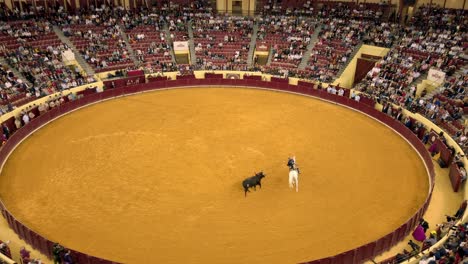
[[132, 148], [179, 175]]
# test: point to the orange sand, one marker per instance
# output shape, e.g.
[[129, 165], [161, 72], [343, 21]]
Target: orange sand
[[156, 178]]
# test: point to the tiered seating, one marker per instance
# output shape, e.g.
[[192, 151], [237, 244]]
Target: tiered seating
[[34, 50], [325, 9], [12, 90], [223, 42], [288, 37], [178, 29], [421, 47], [382, 34], [185, 8], [101, 46], [337, 41], [150, 45]]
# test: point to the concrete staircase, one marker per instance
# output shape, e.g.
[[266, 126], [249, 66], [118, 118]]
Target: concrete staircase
[[169, 42], [418, 80], [131, 52], [351, 56], [270, 57], [193, 57], [313, 41], [431, 94], [253, 42], [82, 63], [3, 61]]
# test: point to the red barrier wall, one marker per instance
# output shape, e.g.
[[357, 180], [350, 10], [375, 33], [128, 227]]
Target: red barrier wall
[[357, 255], [455, 176]]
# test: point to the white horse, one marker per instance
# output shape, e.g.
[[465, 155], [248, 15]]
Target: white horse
[[294, 179]]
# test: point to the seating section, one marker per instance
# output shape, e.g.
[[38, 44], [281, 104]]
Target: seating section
[[337, 41], [101, 46], [222, 43], [178, 29], [150, 46], [420, 48], [35, 51], [288, 37]]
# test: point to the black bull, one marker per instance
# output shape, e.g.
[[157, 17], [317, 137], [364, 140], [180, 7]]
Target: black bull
[[253, 182]]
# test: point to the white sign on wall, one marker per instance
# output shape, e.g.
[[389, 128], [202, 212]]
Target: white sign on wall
[[435, 75], [181, 46]]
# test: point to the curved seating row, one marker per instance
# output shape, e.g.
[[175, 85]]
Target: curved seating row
[[357, 255]]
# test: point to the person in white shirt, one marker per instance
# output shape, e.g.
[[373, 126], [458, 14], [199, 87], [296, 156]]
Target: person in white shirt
[[25, 118], [18, 123], [357, 98]]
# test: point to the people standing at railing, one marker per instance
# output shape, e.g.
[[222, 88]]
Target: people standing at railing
[[25, 255], [67, 258], [57, 251], [5, 249], [6, 131]]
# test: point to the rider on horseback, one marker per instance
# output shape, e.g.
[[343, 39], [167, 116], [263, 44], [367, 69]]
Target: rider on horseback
[[292, 164]]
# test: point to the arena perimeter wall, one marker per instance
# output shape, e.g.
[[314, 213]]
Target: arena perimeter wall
[[357, 255]]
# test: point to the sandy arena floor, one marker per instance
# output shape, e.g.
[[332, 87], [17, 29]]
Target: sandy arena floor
[[156, 178]]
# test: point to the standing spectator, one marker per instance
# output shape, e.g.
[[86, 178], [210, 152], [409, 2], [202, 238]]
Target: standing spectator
[[424, 224], [415, 247], [25, 118], [67, 258], [18, 123], [6, 130], [4, 249], [419, 234], [357, 98], [25, 255], [57, 252]]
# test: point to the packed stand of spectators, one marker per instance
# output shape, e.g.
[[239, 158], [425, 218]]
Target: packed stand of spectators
[[421, 47], [222, 42], [337, 41], [184, 9], [437, 17], [288, 38], [12, 90], [34, 50], [178, 28], [446, 109], [382, 34], [344, 25], [178, 14], [369, 11], [98, 38], [148, 40]]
